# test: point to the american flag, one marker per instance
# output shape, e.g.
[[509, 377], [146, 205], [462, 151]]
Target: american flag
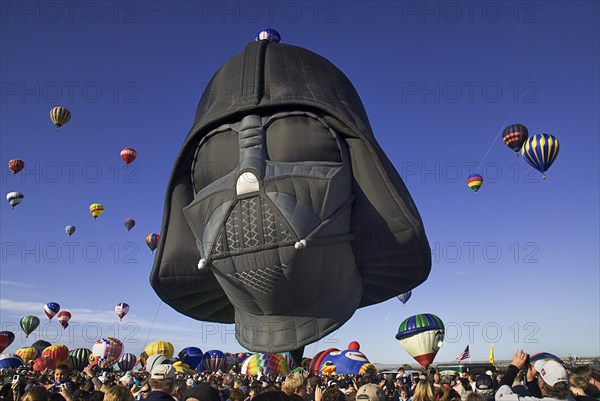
[[464, 355]]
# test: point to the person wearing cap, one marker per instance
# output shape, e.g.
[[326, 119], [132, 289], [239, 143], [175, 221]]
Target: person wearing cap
[[370, 392], [552, 383], [161, 383], [484, 386]]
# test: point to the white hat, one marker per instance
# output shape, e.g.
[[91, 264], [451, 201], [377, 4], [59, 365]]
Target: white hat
[[161, 372], [551, 371], [154, 360], [190, 382]]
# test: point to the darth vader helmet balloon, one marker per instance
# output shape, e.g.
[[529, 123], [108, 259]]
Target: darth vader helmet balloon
[[282, 214]]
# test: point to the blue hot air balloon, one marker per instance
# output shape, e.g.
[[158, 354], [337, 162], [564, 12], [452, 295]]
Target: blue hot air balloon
[[213, 360], [51, 309], [268, 34], [540, 151], [191, 356], [405, 297]]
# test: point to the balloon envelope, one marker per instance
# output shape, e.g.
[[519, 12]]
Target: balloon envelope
[[121, 309], [514, 136], [60, 116], [405, 297], [540, 151], [63, 318], [161, 347], [29, 324], [475, 181], [80, 358], [128, 155], [16, 165], [51, 309], [14, 198], [129, 223], [27, 354], [96, 209], [152, 241], [40, 345], [127, 362], [58, 353], [213, 360], [10, 361], [108, 350], [421, 336], [70, 230], [269, 34], [6, 339], [191, 356], [265, 362]]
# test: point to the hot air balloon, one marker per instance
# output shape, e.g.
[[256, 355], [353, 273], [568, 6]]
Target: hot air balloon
[[514, 137], [40, 345], [10, 361], [59, 353], [128, 155], [152, 241], [213, 360], [191, 356], [6, 339], [161, 347], [16, 165], [405, 297], [266, 363], [129, 223], [545, 356], [14, 198], [80, 358], [475, 181], [41, 364], [268, 34], [108, 351], [29, 324], [351, 361], [60, 116], [540, 151], [121, 310], [70, 230], [126, 362], [96, 209], [63, 318], [421, 336], [51, 309], [27, 354]]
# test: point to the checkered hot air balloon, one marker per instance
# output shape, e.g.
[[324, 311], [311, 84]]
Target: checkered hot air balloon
[[108, 351]]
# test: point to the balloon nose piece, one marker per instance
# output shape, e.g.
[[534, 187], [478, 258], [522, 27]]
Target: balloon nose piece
[[202, 264], [247, 183]]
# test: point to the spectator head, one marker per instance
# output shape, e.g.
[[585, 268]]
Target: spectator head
[[370, 392], [61, 373], [592, 376], [38, 393], [162, 378], [424, 391], [294, 384], [201, 392], [118, 393], [553, 379]]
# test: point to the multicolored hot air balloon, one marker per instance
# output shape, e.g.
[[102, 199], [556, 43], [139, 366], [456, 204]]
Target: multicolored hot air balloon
[[265, 363], [129, 223], [475, 181], [269, 34], [14, 198], [63, 318], [80, 358], [16, 165], [126, 362], [333, 361], [96, 209], [152, 241], [514, 136], [540, 151], [191, 356], [10, 361], [51, 309], [405, 296], [422, 336], [60, 116], [108, 351], [27, 354], [29, 323], [161, 347], [59, 353], [128, 155], [6, 339], [213, 360], [121, 309], [70, 230]]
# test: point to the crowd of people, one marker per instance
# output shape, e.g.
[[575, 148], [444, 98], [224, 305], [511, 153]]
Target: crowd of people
[[545, 380]]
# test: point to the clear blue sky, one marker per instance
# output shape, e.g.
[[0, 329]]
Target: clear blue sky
[[517, 264]]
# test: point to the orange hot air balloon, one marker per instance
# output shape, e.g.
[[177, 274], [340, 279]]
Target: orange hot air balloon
[[16, 165]]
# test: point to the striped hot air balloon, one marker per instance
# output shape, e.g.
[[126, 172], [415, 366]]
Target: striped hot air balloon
[[96, 209], [514, 136], [475, 181], [29, 324], [80, 358], [14, 198], [266, 363], [60, 116], [152, 241], [421, 336], [126, 362], [213, 360], [51, 309], [540, 151], [405, 296]]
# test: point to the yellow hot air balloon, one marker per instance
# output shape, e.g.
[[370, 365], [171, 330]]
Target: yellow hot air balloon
[[27, 354], [160, 347], [60, 116], [96, 209]]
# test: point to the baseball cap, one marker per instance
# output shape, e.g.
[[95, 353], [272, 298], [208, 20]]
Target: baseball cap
[[153, 361], [161, 372], [370, 392], [551, 371]]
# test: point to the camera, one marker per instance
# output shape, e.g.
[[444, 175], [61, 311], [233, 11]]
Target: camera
[[15, 379], [527, 363]]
